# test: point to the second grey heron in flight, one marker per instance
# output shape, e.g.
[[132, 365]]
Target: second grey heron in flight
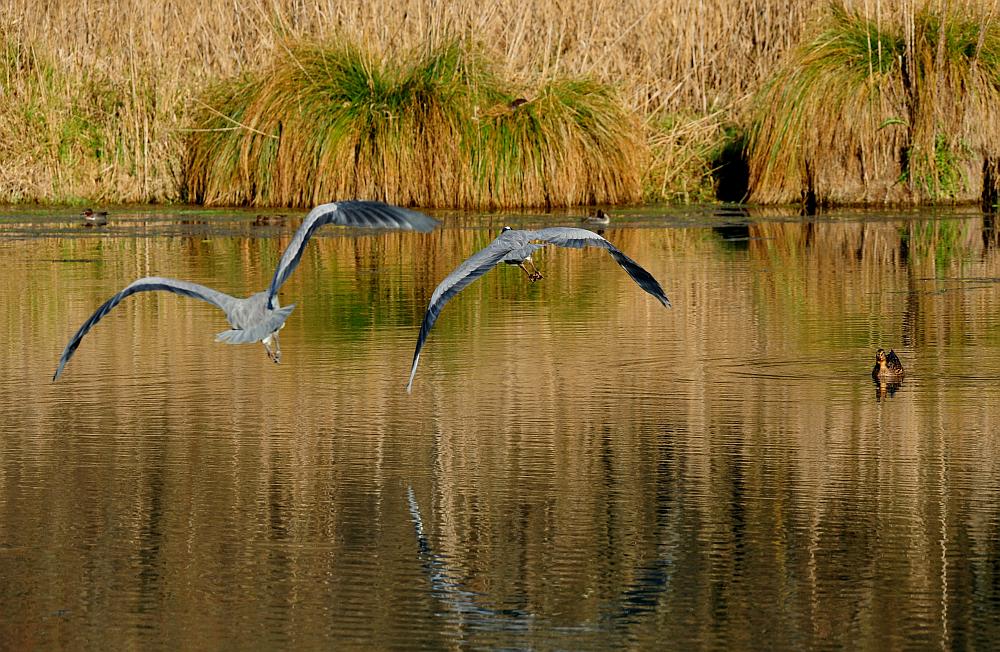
[[514, 247], [258, 317]]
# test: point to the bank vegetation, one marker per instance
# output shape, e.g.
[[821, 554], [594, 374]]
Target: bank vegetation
[[108, 101]]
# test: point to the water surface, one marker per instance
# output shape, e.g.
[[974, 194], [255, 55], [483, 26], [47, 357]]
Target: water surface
[[577, 467]]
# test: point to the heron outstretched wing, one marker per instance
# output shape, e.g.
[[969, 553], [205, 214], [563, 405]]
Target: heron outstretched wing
[[471, 268], [147, 284], [565, 236], [518, 243], [368, 214]]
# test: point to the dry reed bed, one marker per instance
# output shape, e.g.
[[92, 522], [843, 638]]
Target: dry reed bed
[[883, 106], [101, 92]]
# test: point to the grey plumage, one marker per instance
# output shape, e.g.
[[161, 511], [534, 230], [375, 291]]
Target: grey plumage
[[250, 318], [515, 247], [258, 317]]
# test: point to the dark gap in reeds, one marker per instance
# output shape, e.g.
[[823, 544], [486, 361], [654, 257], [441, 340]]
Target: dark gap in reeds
[[437, 128], [730, 169]]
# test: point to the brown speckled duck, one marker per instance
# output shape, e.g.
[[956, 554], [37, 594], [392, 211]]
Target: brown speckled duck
[[887, 367]]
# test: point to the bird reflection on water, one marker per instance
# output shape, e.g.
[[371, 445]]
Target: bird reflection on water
[[640, 597]]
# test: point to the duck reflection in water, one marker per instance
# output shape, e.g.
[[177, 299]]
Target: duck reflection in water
[[885, 391]]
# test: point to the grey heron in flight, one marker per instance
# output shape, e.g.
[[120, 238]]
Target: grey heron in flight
[[258, 317], [514, 247]]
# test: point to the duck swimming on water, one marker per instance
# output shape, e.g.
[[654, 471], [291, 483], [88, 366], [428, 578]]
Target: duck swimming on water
[[91, 218], [600, 218], [888, 367]]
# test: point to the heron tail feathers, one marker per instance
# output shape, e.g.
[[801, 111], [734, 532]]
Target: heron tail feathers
[[274, 320]]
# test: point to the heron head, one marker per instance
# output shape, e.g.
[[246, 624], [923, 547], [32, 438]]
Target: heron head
[[505, 229]]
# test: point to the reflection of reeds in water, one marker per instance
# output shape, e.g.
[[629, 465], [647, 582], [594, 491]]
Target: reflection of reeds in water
[[934, 243], [830, 244], [564, 431], [867, 259]]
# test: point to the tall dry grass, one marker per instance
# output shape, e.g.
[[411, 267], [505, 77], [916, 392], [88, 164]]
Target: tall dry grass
[[107, 118], [883, 104], [98, 94]]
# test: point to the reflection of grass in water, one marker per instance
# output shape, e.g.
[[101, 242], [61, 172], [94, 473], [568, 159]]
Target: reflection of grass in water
[[359, 292], [940, 241]]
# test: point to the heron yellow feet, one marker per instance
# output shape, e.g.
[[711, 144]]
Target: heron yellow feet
[[273, 354], [533, 273]]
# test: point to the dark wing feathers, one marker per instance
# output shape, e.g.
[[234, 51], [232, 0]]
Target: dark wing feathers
[[579, 238], [147, 284], [366, 214], [893, 362], [639, 275]]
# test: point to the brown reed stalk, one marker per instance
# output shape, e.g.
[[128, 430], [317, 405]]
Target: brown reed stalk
[[881, 108], [148, 61]]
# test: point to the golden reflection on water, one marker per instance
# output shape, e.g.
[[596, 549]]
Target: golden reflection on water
[[590, 469]]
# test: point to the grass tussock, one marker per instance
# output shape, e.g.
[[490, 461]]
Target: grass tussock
[[323, 123], [570, 143], [894, 108], [103, 116], [435, 128]]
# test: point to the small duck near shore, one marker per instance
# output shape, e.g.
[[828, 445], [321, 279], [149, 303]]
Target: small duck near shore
[[269, 220], [888, 367], [598, 219], [91, 218]]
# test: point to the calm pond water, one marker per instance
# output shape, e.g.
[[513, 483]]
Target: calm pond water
[[576, 468]]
